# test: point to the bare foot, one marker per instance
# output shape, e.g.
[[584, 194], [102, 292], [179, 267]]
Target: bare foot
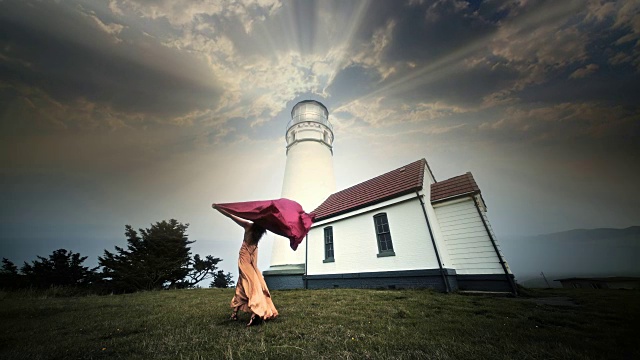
[[234, 316]]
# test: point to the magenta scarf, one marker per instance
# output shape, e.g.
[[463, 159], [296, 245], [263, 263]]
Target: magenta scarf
[[282, 216]]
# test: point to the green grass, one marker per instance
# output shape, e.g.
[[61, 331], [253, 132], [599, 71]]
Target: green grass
[[337, 323]]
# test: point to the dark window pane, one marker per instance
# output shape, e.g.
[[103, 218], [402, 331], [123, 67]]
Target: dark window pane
[[383, 233], [386, 239], [328, 242], [383, 246]]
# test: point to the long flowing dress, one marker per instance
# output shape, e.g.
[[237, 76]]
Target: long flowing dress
[[252, 294]]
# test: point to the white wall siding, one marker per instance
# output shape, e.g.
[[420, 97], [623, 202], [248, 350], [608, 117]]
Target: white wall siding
[[466, 239], [356, 248]]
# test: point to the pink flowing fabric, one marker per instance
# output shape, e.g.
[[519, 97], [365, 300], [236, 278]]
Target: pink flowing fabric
[[282, 216]]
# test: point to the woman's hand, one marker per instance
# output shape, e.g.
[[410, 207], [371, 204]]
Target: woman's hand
[[242, 222]]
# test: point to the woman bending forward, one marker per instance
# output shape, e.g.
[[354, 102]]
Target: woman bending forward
[[252, 295]]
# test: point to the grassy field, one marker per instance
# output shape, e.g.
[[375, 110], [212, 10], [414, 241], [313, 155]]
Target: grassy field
[[336, 323]]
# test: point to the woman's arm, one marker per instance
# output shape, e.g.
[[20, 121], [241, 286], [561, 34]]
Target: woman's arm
[[242, 222]]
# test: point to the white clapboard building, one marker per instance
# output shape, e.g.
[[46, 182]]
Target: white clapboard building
[[404, 229], [398, 230]]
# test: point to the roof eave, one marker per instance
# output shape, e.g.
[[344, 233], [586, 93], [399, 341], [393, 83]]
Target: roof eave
[[458, 196], [361, 206]]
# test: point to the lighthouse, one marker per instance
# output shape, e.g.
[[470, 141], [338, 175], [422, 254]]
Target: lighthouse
[[308, 179]]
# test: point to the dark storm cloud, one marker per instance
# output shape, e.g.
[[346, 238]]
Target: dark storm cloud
[[426, 32], [57, 50], [463, 52], [460, 85], [465, 86], [427, 51], [611, 85]]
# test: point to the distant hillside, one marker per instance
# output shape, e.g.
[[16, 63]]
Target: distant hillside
[[593, 234], [580, 252]]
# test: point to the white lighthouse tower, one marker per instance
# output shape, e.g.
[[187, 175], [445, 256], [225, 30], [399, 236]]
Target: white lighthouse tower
[[308, 179]]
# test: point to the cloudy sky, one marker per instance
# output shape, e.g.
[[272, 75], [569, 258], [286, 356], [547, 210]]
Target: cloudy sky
[[135, 111]]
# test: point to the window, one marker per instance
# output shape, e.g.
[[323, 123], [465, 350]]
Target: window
[[385, 247], [328, 244]]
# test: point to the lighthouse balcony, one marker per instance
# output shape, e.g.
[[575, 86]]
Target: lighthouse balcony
[[309, 118], [309, 131]]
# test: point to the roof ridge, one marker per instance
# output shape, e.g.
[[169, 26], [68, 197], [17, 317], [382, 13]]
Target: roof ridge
[[393, 183]]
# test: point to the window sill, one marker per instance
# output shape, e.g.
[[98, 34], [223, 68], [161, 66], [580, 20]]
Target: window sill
[[386, 253], [328, 260]]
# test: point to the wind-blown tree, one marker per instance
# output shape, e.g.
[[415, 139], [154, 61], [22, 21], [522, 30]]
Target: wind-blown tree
[[222, 280], [8, 267], [62, 268], [9, 276], [200, 270], [157, 258]]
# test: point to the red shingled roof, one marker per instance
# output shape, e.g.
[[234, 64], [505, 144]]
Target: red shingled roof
[[401, 181], [454, 187]]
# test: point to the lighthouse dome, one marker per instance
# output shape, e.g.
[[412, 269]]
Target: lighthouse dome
[[309, 121]]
